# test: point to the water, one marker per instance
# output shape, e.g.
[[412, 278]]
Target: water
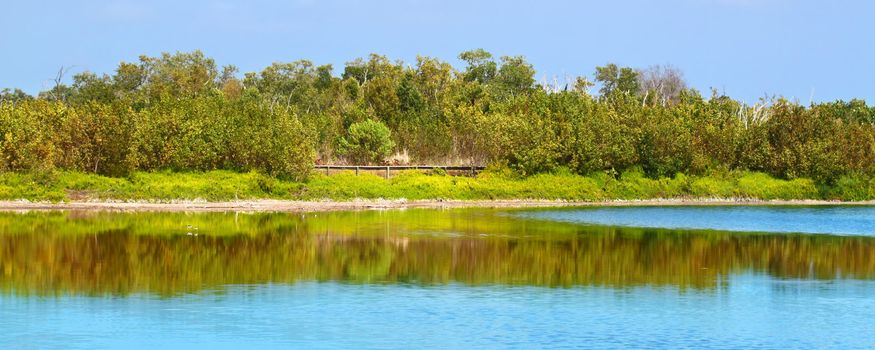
[[755, 312], [472, 278], [842, 220]]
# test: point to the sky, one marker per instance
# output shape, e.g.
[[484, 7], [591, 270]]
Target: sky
[[808, 50]]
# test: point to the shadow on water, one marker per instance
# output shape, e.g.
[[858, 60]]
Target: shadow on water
[[100, 253]]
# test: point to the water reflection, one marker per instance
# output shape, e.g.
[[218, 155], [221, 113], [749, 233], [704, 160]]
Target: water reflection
[[51, 253]]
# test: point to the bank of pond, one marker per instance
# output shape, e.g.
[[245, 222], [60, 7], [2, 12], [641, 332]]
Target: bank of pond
[[493, 183]]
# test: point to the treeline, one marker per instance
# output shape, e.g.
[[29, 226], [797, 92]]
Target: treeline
[[182, 112]]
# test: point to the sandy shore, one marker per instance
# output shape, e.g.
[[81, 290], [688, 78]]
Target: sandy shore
[[309, 206]]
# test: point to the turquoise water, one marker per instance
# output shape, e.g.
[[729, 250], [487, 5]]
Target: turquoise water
[[840, 220], [440, 279], [754, 312]]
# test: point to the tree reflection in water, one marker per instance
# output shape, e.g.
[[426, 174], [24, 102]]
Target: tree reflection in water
[[50, 253]]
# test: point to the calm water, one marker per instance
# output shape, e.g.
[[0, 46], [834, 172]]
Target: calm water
[[841, 220], [471, 278]]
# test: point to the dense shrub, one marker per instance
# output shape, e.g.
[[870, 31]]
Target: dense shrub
[[182, 112], [367, 142], [202, 133]]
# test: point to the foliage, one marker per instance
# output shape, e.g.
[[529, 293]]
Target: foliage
[[367, 142], [200, 133], [495, 183], [182, 112]]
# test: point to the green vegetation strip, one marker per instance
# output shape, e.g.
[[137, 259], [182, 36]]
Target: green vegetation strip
[[223, 185]]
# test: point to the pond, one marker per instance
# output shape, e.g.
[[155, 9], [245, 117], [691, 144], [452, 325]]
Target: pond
[[728, 277]]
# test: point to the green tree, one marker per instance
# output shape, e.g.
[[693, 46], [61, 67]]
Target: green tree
[[516, 76], [179, 74], [10, 95], [90, 87], [617, 80], [367, 142], [481, 67]]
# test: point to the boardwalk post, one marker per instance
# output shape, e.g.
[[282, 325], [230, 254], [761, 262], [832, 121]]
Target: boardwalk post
[[387, 171], [356, 171], [327, 169]]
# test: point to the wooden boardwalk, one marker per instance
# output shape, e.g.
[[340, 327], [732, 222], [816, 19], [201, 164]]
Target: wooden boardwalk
[[387, 170]]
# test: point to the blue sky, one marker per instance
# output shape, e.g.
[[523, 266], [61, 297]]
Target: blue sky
[[748, 48]]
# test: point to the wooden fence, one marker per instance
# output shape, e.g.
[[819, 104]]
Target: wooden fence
[[386, 170]]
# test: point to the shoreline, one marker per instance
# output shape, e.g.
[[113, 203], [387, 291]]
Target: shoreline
[[267, 205]]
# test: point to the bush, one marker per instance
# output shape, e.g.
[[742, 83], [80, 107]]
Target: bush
[[222, 185], [203, 133], [367, 142], [763, 186], [854, 187], [634, 185]]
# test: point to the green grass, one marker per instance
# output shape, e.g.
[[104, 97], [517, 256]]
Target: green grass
[[492, 184]]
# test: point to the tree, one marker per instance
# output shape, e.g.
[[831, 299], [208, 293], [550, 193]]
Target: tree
[[409, 98], [382, 98], [375, 66], [367, 142], [14, 95], [617, 80], [88, 86], [481, 67], [661, 84], [324, 79], [582, 85], [516, 76], [179, 74], [59, 91], [230, 85], [433, 77], [128, 78], [284, 79]]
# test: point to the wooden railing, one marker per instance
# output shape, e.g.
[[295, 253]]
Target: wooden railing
[[387, 169]]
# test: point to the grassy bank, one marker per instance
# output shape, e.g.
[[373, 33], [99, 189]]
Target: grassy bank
[[226, 186]]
